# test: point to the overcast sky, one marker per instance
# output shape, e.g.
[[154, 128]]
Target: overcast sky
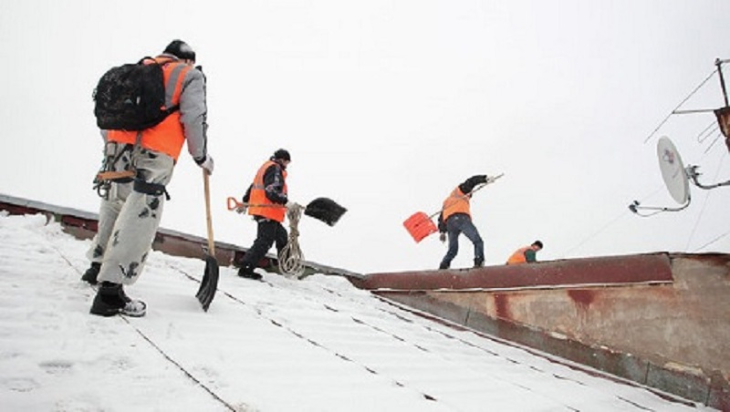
[[386, 105]]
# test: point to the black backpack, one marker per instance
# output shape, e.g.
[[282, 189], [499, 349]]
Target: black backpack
[[131, 97]]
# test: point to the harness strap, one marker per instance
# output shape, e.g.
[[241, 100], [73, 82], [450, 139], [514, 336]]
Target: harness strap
[[154, 189], [104, 178]]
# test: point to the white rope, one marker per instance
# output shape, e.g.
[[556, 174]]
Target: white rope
[[291, 258]]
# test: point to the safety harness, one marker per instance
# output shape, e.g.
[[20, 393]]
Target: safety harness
[[107, 175]]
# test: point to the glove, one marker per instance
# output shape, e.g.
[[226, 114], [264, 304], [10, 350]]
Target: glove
[[292, 205], [241, 210], [442, 237], [483, 179], [206, 163]]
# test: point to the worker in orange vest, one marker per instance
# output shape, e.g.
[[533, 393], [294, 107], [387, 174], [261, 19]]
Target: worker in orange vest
[[267, 201], [527, 254], [131, 209], [455, 219]]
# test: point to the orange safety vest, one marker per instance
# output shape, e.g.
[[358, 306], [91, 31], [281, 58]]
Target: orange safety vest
[[167, 137], [457, 202], [260, 204], [518, 256]]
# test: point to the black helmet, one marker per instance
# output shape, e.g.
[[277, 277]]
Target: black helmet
[[180, 49], [282, 154]]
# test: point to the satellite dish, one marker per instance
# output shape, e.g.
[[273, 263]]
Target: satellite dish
[[675, 178], [670, 163]]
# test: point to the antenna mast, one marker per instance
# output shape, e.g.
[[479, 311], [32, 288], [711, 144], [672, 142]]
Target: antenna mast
[[723, 113], [723, 120], [719, 63], [675, 175]]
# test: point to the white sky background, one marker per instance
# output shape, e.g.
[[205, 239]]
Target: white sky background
[[386, 106]]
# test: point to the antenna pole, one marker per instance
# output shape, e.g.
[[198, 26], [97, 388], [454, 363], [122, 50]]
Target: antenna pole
[[719, 63]]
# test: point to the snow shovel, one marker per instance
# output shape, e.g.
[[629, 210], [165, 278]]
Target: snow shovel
[[419, 225], [321, 208], [209, 284], [325, 210]]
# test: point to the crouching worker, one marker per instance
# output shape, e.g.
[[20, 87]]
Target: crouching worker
[[266, 200], [527, 254], [131, 208]]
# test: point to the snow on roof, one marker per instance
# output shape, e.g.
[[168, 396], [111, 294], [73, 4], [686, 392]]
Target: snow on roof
[[317, 344]]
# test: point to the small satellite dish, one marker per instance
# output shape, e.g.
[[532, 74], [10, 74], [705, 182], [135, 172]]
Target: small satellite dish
[[675, 178], [673, 173]]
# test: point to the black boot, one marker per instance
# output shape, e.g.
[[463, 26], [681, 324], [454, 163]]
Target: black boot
[[478, 263], [111, 300], [247, 272], [91, 273]]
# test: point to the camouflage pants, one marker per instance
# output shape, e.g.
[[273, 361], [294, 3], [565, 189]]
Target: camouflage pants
[[129, 218]]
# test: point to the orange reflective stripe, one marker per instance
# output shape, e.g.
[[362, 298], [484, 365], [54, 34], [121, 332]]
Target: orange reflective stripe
[[177, 90]]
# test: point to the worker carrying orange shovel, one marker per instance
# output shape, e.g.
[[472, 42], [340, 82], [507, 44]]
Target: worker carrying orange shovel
[[454, 219]]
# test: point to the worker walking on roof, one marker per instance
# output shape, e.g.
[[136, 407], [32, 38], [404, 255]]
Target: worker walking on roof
[[267, 201], [131, 209], [455, 219], [527, 254]]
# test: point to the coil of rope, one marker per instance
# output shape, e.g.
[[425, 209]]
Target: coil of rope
[[291, 258]]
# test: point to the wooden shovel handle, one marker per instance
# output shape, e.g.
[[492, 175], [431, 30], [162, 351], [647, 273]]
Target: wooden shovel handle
[[115, 175], [234, 204], [208, 218]]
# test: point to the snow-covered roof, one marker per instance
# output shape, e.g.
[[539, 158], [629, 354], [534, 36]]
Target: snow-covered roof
[[317, 344]]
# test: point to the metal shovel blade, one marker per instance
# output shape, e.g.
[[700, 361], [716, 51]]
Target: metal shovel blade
[[324, 209], [209, 284]]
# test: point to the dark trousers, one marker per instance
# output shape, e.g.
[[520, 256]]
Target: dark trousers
[[456, 225], [269, 232]]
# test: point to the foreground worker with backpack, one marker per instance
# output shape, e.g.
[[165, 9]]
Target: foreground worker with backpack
[[267, 200], [455, 219], [527, 254], [140, 155]]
